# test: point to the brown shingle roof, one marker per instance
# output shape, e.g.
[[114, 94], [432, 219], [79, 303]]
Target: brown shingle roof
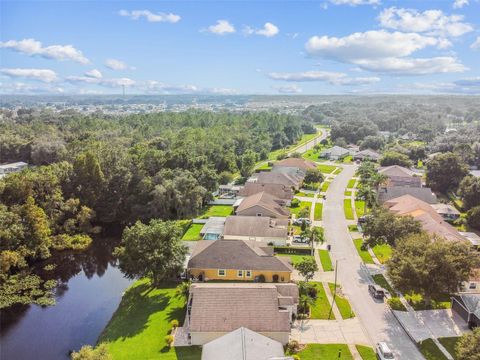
[[260, 226], [279, 191], [265, 201], [226, 307], [296, 162], [234, 254], [284, 178]]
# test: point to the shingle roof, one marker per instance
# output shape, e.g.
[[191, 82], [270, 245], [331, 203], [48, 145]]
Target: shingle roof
[[261, 226], [243, 344], [297, 163], [445, 209], [227, 306], [335, 151], [282, 176], [421, 193], [279, 191], [367, 153], [397, 171], [235, 254], [265, 201]]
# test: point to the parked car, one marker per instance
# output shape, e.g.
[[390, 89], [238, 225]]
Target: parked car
[[300, 239], [383, 351], [363, 219], [376, 291], [299, 221]]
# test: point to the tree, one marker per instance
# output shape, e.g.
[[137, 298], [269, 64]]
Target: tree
[[430, 266], [154, 250], [469, 191], [445, 171], [305, 302], [368, 194], [87, 352], [314, 236], [393, 158], [468, 346], [473, 217], [384, 227], [247, 163], [183, 290], [307, 267], [313, 176], [88, 178], [372, 142]]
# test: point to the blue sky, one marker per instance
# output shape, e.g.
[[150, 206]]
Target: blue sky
[[245, 47]]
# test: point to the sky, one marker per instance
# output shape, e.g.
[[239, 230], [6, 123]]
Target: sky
[[240, 47]]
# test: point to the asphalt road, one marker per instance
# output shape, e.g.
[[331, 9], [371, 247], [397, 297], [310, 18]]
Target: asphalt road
[[310, 144], [378, 322]]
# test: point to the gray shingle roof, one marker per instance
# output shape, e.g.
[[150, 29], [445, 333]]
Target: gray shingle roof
[[279, 191], [260, 226], [264, 200], [424, 194]]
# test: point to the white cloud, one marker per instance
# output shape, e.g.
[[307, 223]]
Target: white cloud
[[334, 78], [222, 27], [33, 47], [288, 89], [458, 4], [94, 73], [476, 43], [108, 82], [45, 75], [431, 22], [384, 51], [268, 30], [355, 2], [150, 16], [115, 64], [23, 88]]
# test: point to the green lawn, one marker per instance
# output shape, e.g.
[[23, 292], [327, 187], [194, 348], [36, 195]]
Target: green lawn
[[351, 183], [295, 258], [303, 204], [382, 252], [325, 260], [138, 328], [449, 344], [317, 215], [348, 193], [326, 169], [325, 352], [321, 309], [302, 194], [312, 155], [366, 352], [325, 186], [430, 350], [359, 207], [364, 254], [417, 302], [342, 303], [264, 167], [352, 228], [297, 230], [217, 210], [347, 208], [193, 232]]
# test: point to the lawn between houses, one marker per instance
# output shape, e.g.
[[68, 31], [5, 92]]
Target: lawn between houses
[[347, 209], [217, 210], [138, 328], [193, 232], [342, 303]]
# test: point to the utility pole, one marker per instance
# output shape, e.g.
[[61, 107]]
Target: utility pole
[[334, 289]]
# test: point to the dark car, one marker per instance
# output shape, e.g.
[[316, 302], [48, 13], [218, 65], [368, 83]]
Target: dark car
[[376, 291]]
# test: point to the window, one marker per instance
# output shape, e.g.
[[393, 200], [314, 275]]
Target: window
[[248, 273], [259, 214], [240, 273], [221, 272]]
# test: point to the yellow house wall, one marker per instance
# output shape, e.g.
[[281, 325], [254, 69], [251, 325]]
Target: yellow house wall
[[231, 275]]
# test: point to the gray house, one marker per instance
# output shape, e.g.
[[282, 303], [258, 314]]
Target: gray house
[[335, 153]]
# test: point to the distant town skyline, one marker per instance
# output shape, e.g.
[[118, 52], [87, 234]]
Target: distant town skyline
[[240, 47]]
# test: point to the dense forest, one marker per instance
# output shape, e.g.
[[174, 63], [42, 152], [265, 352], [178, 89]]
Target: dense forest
[[94, 174]]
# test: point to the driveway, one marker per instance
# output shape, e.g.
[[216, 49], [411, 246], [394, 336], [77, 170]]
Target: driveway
[[377, 320], [347, 331]]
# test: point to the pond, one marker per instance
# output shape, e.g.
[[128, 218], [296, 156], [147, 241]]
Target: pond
[[89, 291]]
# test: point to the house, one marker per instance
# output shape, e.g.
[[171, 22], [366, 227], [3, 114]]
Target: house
[[213, 228], [262, 204], [423, 212], [421, 193], [283, 176], [400, 176], [6, 169], [279, 191], [243, 344], [335, 153], [228, 190], [473, 238], [468, 307], [257, 228], [217, 309], [298, 163], [238, 260], [367, 154], [446, 211]]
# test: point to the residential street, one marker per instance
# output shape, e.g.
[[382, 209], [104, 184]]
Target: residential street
[[377, 321]]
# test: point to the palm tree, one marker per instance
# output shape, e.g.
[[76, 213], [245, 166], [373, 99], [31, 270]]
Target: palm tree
[[368, 194], [183, 290], [314, 236], [306, 302]]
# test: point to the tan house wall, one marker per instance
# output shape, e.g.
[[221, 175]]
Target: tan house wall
[[255, 210], [231, 274], [201, 338]]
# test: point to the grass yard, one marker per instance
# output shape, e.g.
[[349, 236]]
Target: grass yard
[[359, 207], [364, 254], [303, 194], [382, 252], [417, 302], [264, 167], [193, 232], [366, 352], [295, 258], [449, 344], [430, 350], [326, 169], [325, 186], [348, 193], [317, 215], [321, 309], [138, 328], [217, 210], [347, 208], [325, 352], [297, 230], [298, 209], [312, 155], [325, 260], [352, 228], [342, 303], [351, 183]]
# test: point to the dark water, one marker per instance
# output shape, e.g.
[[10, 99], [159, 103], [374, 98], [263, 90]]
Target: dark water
[[90, 289]]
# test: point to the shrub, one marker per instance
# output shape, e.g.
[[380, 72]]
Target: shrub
[[169, 340], [296, 357], [174, 323], [473, 217], [293, 346], [282, 156], [295, 203], [396, 304], [312, 292]]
